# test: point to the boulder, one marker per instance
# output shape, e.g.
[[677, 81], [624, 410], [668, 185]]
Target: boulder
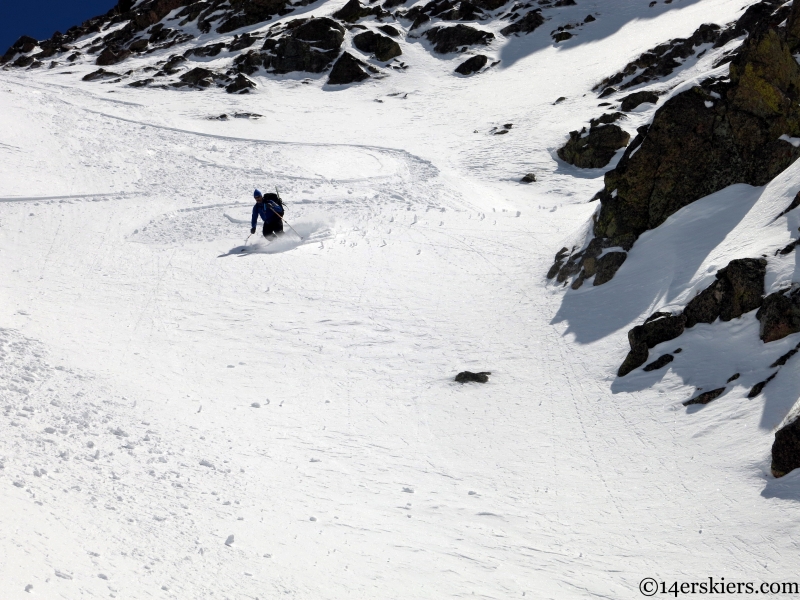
[[631, 101], [469, 376], [139, 45], [111, 56], [759, 387], [659, 363], [198, 76], [529, 178], [700, 143], [607, 266], [705, 397], [739, 288], [100, 74], [659, 327], [389, 30], [241, 85], [311, 47], [347, 69], [526, 24], [786, 449], [323, 33], [779, 315], [595, 149], [354, 10], [449, 39], [384, 48], [472, 65]]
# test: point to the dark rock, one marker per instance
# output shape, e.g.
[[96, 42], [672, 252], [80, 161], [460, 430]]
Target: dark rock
[[472, 65], [141, 83], [250, 12], [139, 45], [529, 178], [779, 315], [389, 30], [240, 42], [739, 288], [795, 202], [323, 33], [489, 4], [347, 69], [250, 62], [606, 119], [469, 376], [607, 92], [311, 47], [354, 10], [23, 61], [705, 397], [208, 50], [560, 256], [595, 149], [112, 56], [786, 449], [526, 24], [783, 359], [24, 44], [733, 377], [589, 19], [241, 85], [449, 39], [100, 74], [608, 265], [636, 99], [691, 150], [662, 60], [198, 76], [661, 361], [562, 36], [173, 63], [384, 48], [677, 350], [759, 387], [659, 327]]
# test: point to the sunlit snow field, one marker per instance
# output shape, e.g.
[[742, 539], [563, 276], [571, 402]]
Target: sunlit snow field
[[163, 390]]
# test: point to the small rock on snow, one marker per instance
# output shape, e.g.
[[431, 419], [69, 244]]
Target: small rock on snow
[[229, 541]]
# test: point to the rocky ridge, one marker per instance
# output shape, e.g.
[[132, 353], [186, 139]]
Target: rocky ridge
[[742, 127], [257, 37]]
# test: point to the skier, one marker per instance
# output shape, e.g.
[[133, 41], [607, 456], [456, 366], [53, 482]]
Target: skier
[[270, 209]]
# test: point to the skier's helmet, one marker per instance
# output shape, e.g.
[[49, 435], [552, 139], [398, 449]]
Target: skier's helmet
[[257, 195]]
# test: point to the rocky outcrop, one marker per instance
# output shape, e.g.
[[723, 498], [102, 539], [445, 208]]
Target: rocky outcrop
[[311, 47], [738, 289], [450, 39], [779, 315], [707, 138], [112, 56], [594, 149], [786, 449], [348, 69], [530, 22], [354, 10], [632, 101], [241, 85], [472, 65], [659, 327], [100, 74], [382, 47]]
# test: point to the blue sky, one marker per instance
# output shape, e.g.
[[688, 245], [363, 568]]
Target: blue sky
[[41, 18]]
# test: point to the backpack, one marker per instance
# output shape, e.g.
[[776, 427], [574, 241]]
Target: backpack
[[273, 197]]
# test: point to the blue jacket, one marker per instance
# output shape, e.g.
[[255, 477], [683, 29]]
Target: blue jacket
[[262, 209]]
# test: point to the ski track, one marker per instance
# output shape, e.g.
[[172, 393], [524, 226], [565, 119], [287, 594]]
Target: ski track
[[135, 346]]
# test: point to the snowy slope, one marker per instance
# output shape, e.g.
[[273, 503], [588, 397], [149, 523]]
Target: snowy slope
[[137, 341]]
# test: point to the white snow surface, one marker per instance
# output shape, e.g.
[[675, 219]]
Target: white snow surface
[[184, 420]]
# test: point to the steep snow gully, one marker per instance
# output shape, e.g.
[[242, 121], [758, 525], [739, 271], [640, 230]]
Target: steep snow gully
[[181, 419]]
